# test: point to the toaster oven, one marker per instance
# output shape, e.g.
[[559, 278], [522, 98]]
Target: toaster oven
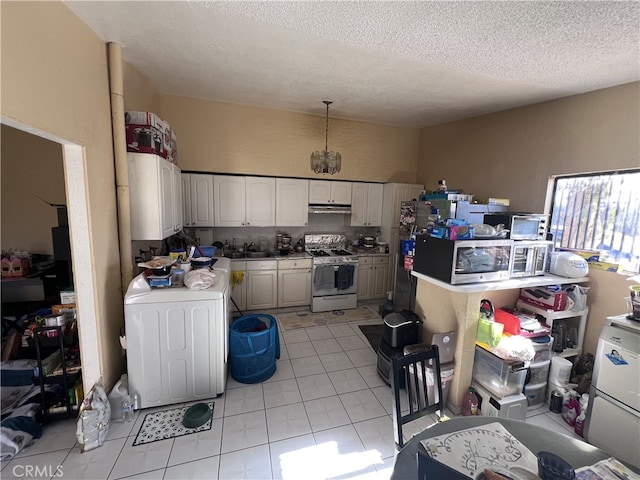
[[521, 226], [529, 257], [463, 261]]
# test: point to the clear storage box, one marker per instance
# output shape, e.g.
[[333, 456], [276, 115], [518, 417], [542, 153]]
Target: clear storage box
[[500, 377], [535, 393], [542, 350], [539, 372]]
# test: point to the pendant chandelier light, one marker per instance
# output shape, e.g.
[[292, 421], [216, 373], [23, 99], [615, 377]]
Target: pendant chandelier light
[[326, 161]]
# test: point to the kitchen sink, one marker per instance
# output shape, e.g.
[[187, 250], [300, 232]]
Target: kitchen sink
[[258, 254]]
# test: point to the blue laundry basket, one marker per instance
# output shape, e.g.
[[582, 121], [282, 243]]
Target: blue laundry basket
[[254, 346]]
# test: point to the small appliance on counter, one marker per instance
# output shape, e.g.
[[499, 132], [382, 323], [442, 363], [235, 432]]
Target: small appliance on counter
[[567, 264]]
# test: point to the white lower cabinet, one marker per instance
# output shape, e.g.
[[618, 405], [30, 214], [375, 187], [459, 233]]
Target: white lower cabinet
[[372, 276], [294, 282], [262, 284]]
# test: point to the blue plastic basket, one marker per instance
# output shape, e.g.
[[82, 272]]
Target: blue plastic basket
[[209, 251], [254, 346]]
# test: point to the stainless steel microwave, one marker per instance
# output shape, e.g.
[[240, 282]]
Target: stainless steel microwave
[[521, 226], [463, 261], [529, 257]]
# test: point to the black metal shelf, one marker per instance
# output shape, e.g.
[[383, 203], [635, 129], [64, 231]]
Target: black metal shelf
[[66, 379]]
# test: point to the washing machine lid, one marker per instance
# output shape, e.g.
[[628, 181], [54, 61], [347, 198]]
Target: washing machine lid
[[139, 291], [624, 322]]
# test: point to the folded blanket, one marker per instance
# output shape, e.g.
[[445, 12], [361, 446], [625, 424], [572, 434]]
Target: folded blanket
[[17, 433]]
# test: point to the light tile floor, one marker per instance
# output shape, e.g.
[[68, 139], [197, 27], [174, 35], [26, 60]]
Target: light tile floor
[[325, 413]]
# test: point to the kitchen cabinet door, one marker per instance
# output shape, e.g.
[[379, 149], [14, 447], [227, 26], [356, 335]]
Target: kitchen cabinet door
[[260, 201], [374, 204], [229, 200], [262, 289], [201, 200], [319, 191], [379, 278], [177, 198], [364, 281], [292, 202], [366, 204], [156, 198], [294, 287], [329, 192], [186, 199]]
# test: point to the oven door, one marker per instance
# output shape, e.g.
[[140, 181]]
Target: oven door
[[340, 278]]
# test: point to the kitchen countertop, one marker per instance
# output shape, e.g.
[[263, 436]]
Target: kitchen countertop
[[303, 255]]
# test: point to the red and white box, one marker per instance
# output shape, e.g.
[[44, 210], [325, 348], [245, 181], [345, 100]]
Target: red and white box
[[543, 298], [144, 118], [144, 139]]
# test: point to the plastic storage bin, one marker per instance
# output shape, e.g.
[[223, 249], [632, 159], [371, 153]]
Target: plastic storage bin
[[500, 377], [254, 346], [542, 350], [535, 393], [511, 406], [539, 372]]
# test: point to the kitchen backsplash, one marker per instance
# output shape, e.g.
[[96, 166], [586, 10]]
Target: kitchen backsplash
[[328, 223]]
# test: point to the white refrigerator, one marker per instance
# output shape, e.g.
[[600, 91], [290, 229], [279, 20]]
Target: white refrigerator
[[613, 414], [177, 340]]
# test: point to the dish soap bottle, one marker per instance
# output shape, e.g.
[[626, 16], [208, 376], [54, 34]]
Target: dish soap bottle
[[470, 403]]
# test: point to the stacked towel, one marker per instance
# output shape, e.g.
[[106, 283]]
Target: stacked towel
[[324, 277], [344, 277]]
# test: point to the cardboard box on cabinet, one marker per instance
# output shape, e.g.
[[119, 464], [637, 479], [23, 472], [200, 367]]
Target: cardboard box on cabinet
[[144, 139]]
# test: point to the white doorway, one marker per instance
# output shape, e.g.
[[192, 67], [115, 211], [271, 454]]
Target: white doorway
[[77, 200]]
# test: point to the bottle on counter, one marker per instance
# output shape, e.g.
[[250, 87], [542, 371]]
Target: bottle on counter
[[470, 403]]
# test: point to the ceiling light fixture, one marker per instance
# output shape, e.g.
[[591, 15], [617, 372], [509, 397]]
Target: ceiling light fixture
[[326, 161]]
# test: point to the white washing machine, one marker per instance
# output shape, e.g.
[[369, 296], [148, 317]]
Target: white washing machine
[[177, 340], [613, 415]]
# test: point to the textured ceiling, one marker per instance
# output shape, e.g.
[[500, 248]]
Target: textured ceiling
[[411, 64]]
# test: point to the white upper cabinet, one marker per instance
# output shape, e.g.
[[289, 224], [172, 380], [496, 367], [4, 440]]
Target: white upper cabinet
[[366, 204], [155, 196], [260, 210], [292, 202], [197, 200], [229, 201], [329, 192], [244, 201]]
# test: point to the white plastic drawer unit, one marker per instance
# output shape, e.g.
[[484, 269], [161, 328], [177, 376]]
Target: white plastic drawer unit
[[177, 342]]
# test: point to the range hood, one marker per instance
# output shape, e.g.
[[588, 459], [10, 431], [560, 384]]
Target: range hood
[[325, 208]]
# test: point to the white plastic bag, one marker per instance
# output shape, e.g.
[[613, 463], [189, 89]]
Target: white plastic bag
[[200, 279], [93, 419]]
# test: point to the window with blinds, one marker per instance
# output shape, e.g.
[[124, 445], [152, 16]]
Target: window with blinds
[[599, 212]]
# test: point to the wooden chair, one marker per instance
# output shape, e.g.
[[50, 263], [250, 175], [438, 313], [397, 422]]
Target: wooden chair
[[413, 368]]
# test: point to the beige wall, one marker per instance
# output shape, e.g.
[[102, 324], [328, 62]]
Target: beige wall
[[227, 138], [512, 154], [31, 167], [55, 81], [139, 94]]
